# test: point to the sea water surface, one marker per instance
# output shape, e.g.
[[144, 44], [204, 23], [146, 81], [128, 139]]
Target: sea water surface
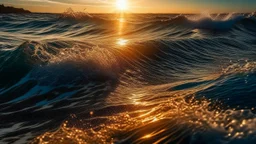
[[76, 78]]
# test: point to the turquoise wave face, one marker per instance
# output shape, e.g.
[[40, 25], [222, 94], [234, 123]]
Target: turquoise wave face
[[133, 78]]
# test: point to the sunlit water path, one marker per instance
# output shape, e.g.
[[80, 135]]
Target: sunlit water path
[[123, 78]]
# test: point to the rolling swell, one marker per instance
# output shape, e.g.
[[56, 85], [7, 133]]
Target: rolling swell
[[91, 78], [218, 23]]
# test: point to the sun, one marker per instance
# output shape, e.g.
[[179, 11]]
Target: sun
[[121, 5]]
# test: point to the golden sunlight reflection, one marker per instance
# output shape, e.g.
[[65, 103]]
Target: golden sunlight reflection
[[135, 99], [153, 134], [121, 20], [122, 42], [121, 24], [147, 136], [175, 112], [191, 114]]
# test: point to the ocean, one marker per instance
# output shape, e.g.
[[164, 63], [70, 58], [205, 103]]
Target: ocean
[[77, 78]]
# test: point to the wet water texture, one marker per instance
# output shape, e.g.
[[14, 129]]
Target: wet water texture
[[127, 78]]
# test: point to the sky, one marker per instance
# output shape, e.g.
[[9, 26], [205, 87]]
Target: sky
[[136, 6]]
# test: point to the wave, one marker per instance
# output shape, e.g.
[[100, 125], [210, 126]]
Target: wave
[[242, 66], [178, 119], [221, 22], [145, 79], [209, 22], [15, 65], [177, 55], [44, 58], [69, 14], [176, 112]]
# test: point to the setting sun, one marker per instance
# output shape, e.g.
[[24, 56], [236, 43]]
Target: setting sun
[[121, 4]]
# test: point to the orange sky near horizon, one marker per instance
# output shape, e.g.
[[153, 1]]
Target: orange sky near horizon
[[139, 6]]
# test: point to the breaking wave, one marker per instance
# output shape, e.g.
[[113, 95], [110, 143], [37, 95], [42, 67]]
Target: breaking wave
[[133, 78]]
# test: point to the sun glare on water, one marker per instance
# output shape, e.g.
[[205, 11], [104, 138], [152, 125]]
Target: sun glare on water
[[121, 5], [122, 42]]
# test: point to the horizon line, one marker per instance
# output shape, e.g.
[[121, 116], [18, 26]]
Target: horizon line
[[143, 12], [131, 12]]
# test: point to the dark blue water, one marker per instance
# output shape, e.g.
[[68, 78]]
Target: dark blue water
[[128, 78]]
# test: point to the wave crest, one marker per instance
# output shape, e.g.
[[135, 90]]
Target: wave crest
[[70, 13], [216, 22]]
